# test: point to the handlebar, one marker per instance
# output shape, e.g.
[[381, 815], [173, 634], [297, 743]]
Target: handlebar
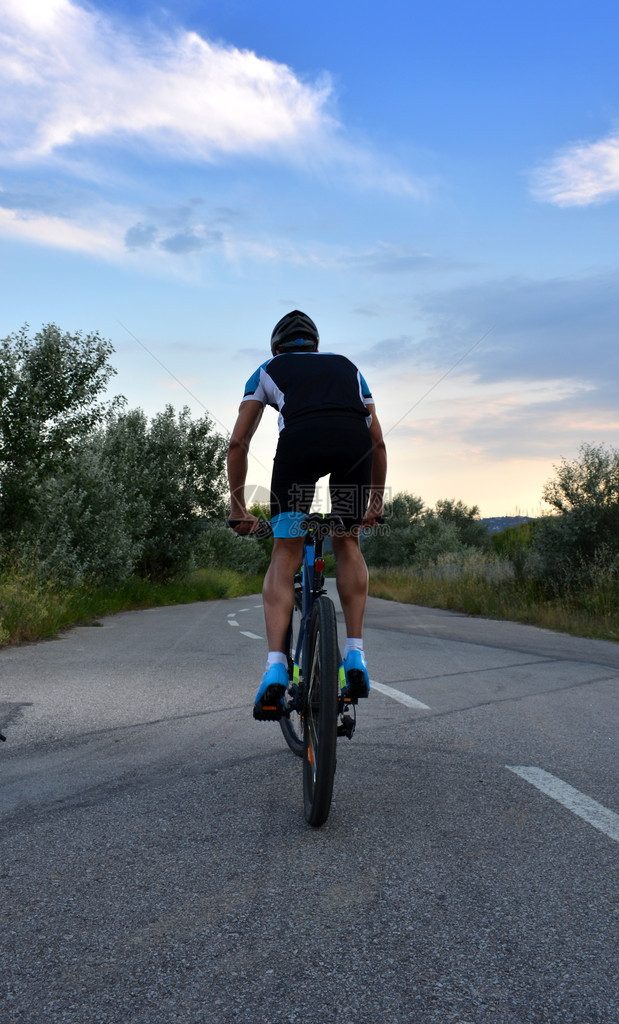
[[315, 523], [263, 529]]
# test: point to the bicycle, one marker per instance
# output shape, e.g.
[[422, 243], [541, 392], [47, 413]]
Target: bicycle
[[317, 706]]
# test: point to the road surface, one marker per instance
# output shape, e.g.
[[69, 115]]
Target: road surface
[[156, 865]]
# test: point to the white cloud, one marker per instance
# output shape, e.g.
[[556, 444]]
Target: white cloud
[[60, 233], [71, 75], [582, 174]]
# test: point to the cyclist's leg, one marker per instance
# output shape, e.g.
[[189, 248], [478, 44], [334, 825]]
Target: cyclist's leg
[[352, 581], [289, 502], [349, 484], [352, 586], [278, 589], [278, 601]]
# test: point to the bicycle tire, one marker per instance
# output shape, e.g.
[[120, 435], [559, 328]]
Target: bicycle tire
[[320, 707], [292, 724]]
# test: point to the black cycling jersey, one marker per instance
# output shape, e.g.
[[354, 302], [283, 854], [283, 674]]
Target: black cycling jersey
[[306, 384], [322, 400]]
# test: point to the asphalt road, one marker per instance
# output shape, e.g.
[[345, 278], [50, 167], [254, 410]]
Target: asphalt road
[[155, 864]]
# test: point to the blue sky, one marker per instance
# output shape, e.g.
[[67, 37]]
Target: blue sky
[[436, 185]]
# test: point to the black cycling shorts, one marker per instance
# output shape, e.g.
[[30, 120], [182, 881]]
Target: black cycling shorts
[[335, 446]]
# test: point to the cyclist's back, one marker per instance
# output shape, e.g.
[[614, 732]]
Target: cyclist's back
[[302, 385]]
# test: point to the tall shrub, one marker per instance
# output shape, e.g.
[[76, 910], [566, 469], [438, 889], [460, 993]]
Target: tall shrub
[[583, 534], [50, 401], [395, 543], [172, 473]]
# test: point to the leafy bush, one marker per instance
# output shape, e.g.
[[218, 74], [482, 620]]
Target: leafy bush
[[80, 532], [221, 548], [89, 492], [413, 535], [172, 474], [581, 540], [394, 543], [516, 545]]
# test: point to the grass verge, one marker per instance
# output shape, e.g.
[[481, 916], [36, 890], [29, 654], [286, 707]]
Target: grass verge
[[590, 613], [31, 612]]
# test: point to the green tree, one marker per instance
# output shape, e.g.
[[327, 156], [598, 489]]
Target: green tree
[[172, 473], [469, 529], [83, 528], [395, 543], [583, 534], [89, 492], [133, 497], [415, 535], [435, 537], [50, 401]]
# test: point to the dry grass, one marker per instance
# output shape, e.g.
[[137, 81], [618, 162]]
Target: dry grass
[[591, 613], [31, 612]]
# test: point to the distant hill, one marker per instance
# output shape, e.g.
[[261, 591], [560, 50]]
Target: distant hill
[[495, 524]]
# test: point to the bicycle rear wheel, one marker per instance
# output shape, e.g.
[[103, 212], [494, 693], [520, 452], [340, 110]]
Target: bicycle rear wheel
[[320, 713], [292, 723]]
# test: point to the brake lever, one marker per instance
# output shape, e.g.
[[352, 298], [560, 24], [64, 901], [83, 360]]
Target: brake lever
[[264, 528]]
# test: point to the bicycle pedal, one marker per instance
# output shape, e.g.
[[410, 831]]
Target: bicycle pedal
[[346, 726], [268, 714], [357, 686], [270, 707]]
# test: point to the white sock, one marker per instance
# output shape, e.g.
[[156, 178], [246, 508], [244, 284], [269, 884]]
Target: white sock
[[276, 658], [353, 643]]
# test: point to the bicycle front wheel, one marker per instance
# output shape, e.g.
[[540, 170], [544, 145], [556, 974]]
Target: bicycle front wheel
[[320, 713]]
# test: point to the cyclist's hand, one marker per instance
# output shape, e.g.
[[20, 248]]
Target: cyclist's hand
[[244, 523], [373, 515]]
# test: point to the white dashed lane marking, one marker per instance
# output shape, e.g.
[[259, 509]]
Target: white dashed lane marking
[[402, 698], [233, 622], [589, 810]]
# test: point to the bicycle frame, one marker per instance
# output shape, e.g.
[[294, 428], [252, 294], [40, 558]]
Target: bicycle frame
[[309, 585]]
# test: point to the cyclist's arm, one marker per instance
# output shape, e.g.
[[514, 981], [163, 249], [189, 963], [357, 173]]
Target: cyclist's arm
[[250, 414], [379, 471]]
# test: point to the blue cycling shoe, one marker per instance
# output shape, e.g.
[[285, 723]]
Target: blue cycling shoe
[[357, 678], [269, 703]]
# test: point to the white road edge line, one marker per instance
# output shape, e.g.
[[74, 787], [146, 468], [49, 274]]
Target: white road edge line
[[402, 698], [252, 636], [589, 810]]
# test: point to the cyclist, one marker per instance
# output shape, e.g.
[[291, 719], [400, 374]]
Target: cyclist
[[328, 425]]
